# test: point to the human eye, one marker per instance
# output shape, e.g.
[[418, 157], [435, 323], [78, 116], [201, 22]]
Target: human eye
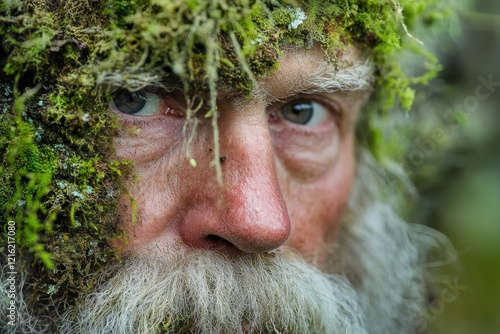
[[140, 103], [305, 112]]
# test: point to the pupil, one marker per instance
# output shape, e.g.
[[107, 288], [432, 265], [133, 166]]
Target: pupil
[[300, 113], [129, 102]]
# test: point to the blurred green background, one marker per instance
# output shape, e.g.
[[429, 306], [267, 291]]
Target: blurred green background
[[454, 160]]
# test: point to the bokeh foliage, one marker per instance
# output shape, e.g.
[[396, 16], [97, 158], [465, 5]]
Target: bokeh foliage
[[453, 157]]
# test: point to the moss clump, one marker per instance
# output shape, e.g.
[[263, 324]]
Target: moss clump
[[38, 160]]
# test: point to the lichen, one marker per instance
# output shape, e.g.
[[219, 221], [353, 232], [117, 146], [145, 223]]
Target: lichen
[[58, 181]]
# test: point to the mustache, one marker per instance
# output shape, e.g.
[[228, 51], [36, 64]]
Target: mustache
[[208, 292]]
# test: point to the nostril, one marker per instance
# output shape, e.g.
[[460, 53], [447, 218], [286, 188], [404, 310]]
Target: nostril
[[217, 242]]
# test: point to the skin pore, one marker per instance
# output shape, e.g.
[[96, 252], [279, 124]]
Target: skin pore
[[287, 156]]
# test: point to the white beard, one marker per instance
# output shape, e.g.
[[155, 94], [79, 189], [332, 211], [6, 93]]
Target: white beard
[[376, 281]]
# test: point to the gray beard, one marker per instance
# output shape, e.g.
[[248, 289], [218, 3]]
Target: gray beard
[[375, 283], [205, 292]]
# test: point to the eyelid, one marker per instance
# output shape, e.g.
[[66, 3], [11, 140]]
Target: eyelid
[[332, 105]]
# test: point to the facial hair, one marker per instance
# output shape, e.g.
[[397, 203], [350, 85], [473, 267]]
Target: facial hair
[[207, 292]]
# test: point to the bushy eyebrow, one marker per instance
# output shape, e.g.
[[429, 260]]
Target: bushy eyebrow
[[349, 79], [325, 79]]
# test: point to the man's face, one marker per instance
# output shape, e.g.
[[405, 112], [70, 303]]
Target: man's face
[[201, 257], [286, 153]]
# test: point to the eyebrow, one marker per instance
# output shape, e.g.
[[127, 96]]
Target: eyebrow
[[349, 79], [325, 79], [135, 80]]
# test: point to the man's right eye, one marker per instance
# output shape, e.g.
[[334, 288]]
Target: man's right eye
[[141, 103]]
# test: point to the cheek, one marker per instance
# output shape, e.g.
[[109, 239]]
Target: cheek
[[150, 202], [153, 188], [139, 217], [316, 208]]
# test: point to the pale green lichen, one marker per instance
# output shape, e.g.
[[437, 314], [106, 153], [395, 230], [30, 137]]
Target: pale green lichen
[[57, 180]]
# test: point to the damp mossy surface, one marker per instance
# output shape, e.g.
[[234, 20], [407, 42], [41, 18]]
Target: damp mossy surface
[[61, 59]]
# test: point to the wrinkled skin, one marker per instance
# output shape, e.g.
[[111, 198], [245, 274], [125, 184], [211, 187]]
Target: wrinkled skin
[[284, 183]]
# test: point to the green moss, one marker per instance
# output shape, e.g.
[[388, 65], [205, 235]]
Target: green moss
[[30, 171], [38, 161], [119, 10], [7, 190]]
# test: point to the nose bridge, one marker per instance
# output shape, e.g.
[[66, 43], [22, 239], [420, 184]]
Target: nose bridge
[[248, 211], [255, 213]]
